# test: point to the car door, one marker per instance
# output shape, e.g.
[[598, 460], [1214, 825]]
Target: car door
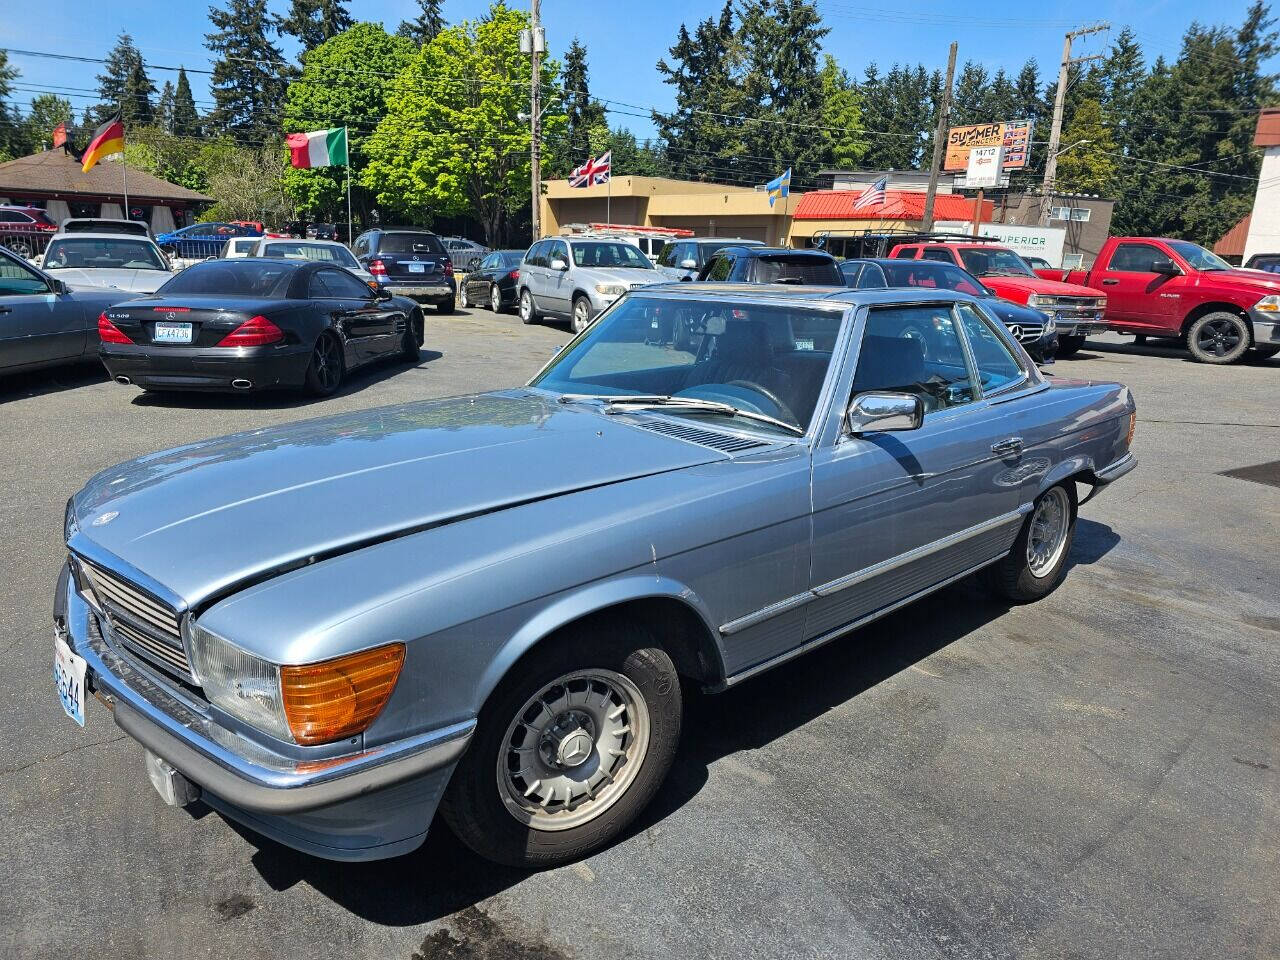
[[531, 269], [358, 320], [558, 284], [37, 326], [898, 512], [478, 281], [1137, 296]]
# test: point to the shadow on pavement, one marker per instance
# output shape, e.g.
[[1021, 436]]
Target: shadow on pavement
[[1092, 542], [53, 380]]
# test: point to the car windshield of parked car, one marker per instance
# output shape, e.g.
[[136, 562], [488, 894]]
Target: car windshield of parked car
[[797, 268], [410, 243], [921, 273], [231, 278], [995, 263], [1198, 257], [613, 255], [291, 250], [768, 359], [112, 253]]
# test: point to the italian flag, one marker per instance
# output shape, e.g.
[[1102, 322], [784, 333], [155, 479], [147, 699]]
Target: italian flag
[[324, 148]]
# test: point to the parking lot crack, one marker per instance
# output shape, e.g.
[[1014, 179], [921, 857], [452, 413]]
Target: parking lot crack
[[62, 753]]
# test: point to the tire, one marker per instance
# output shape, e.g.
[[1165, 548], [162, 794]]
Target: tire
[[1017, 577], [1069, 346], [511, 820], [411, 344], [528, 312], [1219, 338], [1139, 338], [446, 307], [1265, 353], [463, 302], [325, 370], [495, 298], [580, 318]]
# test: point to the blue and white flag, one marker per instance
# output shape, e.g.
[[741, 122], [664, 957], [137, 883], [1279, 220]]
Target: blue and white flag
[[779, 187]]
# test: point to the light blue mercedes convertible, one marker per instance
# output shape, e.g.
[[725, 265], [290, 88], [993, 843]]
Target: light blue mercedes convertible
[[492, 605]]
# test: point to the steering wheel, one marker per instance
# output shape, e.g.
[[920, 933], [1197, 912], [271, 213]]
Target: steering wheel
[[783, 410]]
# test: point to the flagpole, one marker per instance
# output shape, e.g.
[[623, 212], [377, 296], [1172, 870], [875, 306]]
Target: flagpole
[[608, 200], [346, 136], [124, 180]]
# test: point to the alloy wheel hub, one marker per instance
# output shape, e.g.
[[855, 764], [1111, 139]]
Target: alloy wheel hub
[[568, 742]]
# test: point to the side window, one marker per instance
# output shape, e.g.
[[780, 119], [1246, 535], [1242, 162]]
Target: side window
[[344, 285], [997, 367], [936, 253], [316, 286], [915, 349], [1136, 258], [361, 247], [720, 268], [559, 250], [906, 253], [489, 262], [18, 279], [871, 277], [533, 256], [667, 258]]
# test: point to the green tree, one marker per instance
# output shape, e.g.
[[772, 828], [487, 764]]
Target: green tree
[[586, 122], [315, 21], [969, 102], [631, 157], [425, 26], [843, 143], [186, 120], [249, 72], [452, 142], [1091, 166], [344, 82], [124, 85], [164, 107], [11, 140], [901, 106], [45, 113]]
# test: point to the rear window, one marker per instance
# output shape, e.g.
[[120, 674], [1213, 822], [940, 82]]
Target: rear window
[[232, 278], [784, 268], [299, 250], [410, 243], [920, 273]]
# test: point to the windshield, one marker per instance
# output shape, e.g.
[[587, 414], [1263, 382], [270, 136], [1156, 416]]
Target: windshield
[[994, 262], [614, 254], [1197, 257], [797, 268], [106, 253], [921, 273], [410, 243], [232, 278], [312, 251], [770, 360]]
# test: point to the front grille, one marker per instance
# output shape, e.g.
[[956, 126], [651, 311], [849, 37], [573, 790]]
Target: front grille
[[142, 623], [708, 438], [1071, 304], [1026, 332]]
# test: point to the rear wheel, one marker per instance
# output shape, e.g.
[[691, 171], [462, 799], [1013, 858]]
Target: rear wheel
[[411, 345], [570, 747], [324, 372], [581, 313], [1069, 345], [1219, 337], [1034, 567], [463, 302], [446, 307], [495, 298], [527, 312]]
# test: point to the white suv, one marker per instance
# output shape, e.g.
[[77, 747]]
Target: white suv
[[574, 278]]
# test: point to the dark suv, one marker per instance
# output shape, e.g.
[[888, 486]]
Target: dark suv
[[408, 262], [773, 265]]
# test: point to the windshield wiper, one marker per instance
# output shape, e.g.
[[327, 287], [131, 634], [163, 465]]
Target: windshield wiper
[[696, 405]]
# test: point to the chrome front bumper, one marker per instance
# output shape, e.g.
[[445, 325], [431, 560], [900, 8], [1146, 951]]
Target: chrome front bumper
[[1266, 329]]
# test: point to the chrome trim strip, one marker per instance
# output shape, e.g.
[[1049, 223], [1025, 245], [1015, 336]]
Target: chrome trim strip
[[773, 610], [848, 627], [919, 553], [1116, 470]]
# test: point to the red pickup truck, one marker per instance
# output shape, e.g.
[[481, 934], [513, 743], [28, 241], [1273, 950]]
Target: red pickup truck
[[1075, 309], [1173, 288]]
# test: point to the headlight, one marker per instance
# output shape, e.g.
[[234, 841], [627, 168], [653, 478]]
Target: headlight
[[69, 525], [610, 289], [1034, 300], [307, 704], [1269, 304]]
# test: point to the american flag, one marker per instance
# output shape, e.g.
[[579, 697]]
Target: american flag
[[592, 172], [874, 196]]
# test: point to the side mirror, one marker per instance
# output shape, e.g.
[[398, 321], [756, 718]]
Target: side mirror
[[688, 264], [558, 264], [883, 411], [1165, 268], [381, 295]]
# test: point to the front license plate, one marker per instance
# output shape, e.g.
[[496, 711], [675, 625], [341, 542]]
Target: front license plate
[[417, 268], [68, 674], [172, 333]]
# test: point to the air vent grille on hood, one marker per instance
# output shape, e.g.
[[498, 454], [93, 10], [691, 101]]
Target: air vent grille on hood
[[708, 438]]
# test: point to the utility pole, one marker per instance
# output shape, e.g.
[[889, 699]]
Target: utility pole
[[1059, 101], [939, 136], [536, 44]]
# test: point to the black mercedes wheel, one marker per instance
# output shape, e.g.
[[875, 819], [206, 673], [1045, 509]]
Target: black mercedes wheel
[[1069, 345], [463, 301], [411, 345], [324, 372], [1218, 337], [495, 298]]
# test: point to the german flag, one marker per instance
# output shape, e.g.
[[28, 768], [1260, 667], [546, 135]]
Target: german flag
[[106, 140]]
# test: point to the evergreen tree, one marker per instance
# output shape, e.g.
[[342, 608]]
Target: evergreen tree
[[315, 21], [587, 123], [124, 85], [164, 108], [426, 26], [969, 103], [250, 73], [11, 139], [900, 110], [45, 112], [1089, 167], [185, 121], [843, 142]]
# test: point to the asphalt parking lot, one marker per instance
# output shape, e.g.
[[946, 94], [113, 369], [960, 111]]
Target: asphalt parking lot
[[1096, 775]]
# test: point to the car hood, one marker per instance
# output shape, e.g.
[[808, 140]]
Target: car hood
[[1030, 285], [203, 518], [626, 276], [131, 280], [1242, 281], [1010, 312]]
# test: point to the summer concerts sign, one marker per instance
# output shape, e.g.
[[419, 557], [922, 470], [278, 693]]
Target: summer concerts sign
[[1013, 135]]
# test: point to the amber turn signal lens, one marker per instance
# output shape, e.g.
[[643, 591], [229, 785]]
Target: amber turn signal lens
[[1133, 425], [339, 698]]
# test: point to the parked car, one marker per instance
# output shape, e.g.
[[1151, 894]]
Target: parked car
[[574, 279], [119, 261], [1036, 263], [748, 264], [1036, 331], [1076, 308], [1174, 288], [490, 603], [202, 240], [133, 228], [493, 282], [409, 262], [239, 247], [1266, 262], [465, 254], [25, 230], [255, 324], [682, 259], [322, 231], [43, 322], [320, 251]]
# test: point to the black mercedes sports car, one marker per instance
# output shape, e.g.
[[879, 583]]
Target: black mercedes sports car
[[256, 323], [493, 283]]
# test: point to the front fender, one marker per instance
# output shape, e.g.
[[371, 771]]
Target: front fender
[[577, 604]]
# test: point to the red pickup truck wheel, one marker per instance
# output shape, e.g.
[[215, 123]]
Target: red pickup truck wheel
[[1218, 337]]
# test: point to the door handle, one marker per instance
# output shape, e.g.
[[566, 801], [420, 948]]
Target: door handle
[[1109, 283], [1011, 445]]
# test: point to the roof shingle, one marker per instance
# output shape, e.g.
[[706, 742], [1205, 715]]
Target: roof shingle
[[55, 171]]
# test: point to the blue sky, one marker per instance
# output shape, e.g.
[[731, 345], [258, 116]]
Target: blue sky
[[624, 41]]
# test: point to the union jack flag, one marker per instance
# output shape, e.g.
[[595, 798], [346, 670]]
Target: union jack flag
[[874, 196], [594, 171]]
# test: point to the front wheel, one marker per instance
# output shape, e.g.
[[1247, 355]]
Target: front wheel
[[495, 298], [1069, 345], [324, 372], [581, 314], [463, 301], [1034, 567], [1219, 337], [527, 312], [570, 747], [411, 344]]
